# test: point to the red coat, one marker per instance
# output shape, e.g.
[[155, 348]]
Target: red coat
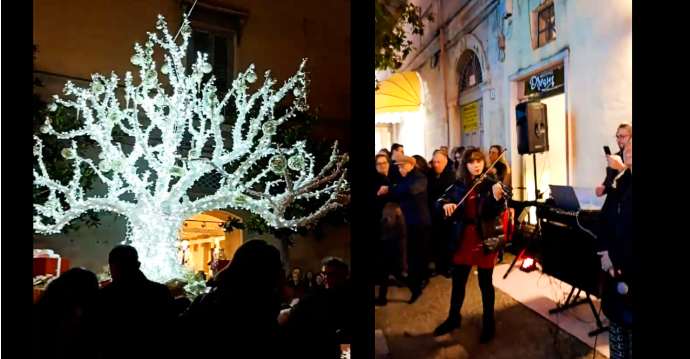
[[470, 251]]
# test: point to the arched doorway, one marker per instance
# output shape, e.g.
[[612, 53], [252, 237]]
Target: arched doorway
[[470, 79], [206, 245]]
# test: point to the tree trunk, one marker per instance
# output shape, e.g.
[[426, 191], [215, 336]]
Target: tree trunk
[[156, 240]]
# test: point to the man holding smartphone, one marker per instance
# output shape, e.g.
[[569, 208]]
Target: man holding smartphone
[[614, 170], [615, 242], [615, 162], [614, 236]]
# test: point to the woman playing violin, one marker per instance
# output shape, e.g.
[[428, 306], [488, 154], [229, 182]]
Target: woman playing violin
[[477, 222]]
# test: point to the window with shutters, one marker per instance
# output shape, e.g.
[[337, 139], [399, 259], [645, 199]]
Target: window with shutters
[[216, 31], [220, 50], [543, 23], [546, 26]]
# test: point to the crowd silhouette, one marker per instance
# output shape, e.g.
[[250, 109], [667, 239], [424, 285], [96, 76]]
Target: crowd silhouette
[[251, 308]]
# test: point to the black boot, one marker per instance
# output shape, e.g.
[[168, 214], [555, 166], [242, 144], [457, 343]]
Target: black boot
[[488, 301], [381, 300], [416, 293], [415, 285], [450, 324], [443, 270], [488, 330]]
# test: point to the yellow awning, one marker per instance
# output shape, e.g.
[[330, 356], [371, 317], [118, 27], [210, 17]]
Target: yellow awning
[[399, 93]]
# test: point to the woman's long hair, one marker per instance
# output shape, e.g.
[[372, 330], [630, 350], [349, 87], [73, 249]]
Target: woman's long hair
[[422, 164], [470, 155], [456, 164], [501, 159]]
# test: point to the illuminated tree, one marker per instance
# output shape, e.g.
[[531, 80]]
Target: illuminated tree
[[176, 139]]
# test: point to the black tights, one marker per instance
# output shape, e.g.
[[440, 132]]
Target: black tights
[[457, 297]]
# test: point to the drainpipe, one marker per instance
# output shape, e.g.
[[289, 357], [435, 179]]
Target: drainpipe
[[442, 40]]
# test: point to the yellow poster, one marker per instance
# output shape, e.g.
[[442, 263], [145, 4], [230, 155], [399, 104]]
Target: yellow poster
[[469, 116]]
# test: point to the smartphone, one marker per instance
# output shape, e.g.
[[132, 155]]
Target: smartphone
[[607, 150]]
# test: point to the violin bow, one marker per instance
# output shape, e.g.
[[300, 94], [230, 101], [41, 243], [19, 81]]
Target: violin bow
[[481, 177]]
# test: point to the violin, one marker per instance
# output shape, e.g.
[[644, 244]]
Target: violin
[[497, 233], [489, 180]]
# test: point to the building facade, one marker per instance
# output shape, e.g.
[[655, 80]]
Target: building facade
[[479, 59]]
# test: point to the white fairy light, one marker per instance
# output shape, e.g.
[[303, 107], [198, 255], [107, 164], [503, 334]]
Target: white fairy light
[[188, 109]]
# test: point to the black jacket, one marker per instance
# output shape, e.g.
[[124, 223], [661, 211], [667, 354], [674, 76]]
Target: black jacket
[[380, 180], [437, 186], [608, 215], [394, 174], [137, 316], [441, 230], [617, 240], [622, 245], [319, 323], [411, 193], [616, 236], [233, 319]]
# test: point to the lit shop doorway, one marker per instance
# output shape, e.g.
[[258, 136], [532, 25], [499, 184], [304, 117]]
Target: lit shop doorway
[[552, 165], [385, 135], [405, 128], [208, 242]]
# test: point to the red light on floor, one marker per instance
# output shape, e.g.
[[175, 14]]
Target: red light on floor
[[528, 265]]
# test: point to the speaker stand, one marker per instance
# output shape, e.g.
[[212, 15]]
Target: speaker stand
[[537, 194], [537, 232]]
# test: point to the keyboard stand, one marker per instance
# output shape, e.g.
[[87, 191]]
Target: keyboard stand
[[575, 302]]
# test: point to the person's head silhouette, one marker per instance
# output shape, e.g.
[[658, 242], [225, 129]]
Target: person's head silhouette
[[255, 264], [335, 272], [124, 262], [76, 287]]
